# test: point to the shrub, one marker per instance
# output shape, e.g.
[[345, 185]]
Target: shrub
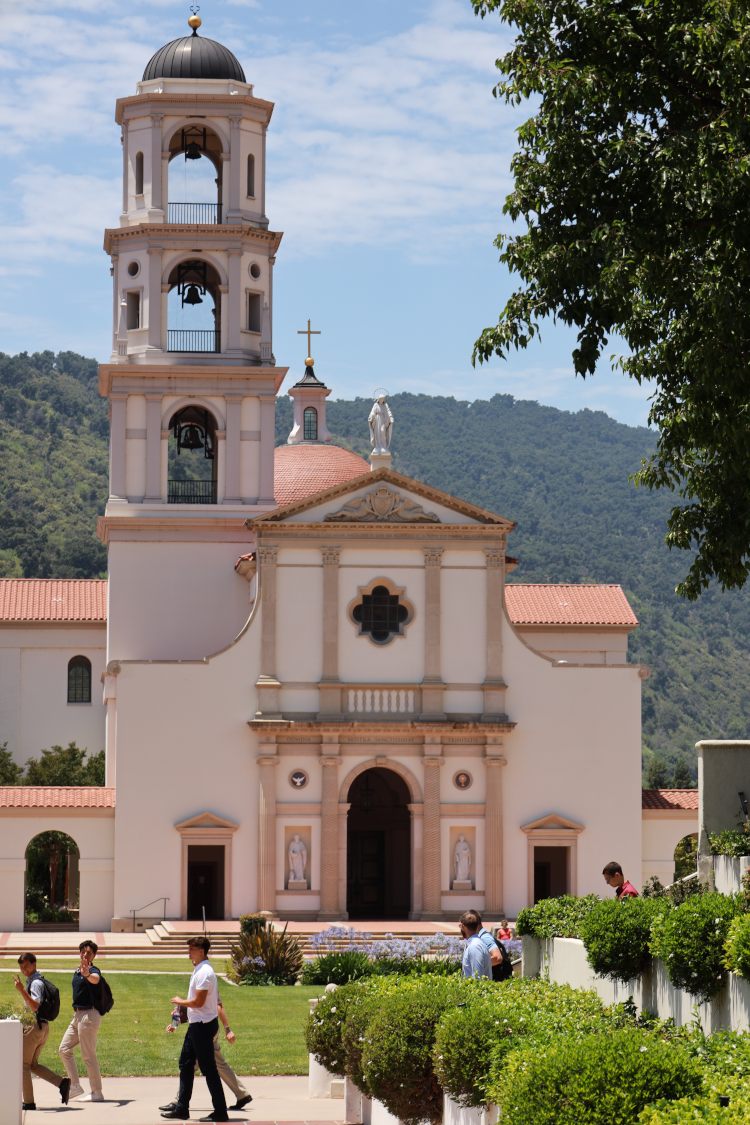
[[420, 966], [252, 923], [690, 941], [324, 1031], [555, 917], [15, 1009], [598, 1080], [677, 892], [265, 957], [697, 1111], [616, 936], [737, 947], [397, 1059], [337, 968], [474, 1039], [732, 841]]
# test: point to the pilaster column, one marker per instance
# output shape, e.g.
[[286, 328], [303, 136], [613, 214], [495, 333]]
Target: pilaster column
[[263, 219], [417, 845], [267, 684], [493, 846], [343, 846], [234, 215], [431, 865], [153, 449], [155, 210], [125, 168], [154, 297], [118, 410], [330, 684], [267, 439], [432, 684], [234, 271], [329, 834], [267, 762], [494, 684], [232, 480]]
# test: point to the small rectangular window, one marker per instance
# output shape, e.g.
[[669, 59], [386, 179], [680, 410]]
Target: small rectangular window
[[253, 312], [134, 310]]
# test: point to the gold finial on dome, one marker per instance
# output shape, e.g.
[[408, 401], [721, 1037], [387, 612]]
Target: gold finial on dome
[[309, 362], [195, 21]]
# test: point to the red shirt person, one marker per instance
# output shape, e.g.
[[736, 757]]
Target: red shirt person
[[614, 877]]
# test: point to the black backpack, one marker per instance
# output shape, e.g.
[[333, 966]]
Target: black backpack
[[103, 999], [503, 971], [49, 1005]]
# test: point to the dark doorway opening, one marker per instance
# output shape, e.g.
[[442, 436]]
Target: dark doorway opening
[[550, 873], [205, 881], [378, 846]]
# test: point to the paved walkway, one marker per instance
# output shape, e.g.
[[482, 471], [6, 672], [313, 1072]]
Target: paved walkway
[[135, 1101]]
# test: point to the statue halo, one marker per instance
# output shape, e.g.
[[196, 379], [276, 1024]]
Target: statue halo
[[378, 392]]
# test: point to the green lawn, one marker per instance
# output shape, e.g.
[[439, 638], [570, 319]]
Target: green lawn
[[138, 964], [269, 1024]]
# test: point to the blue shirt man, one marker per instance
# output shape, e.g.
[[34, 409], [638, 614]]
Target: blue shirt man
[[476, 959]]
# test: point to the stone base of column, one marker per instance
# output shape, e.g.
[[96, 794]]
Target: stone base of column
[[269, 915], [332, 916], [432, 916]]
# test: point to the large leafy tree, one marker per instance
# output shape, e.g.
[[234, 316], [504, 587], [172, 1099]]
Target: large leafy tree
[[633, 180], [65, 765]]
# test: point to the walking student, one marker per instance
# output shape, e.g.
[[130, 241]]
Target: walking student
[[202, 1005], [226, 1074], [36, 1036], [84, 1027], [476, 960], [614, 877]]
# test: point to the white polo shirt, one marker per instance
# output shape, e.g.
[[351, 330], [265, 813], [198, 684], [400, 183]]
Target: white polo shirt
[[204, 977]]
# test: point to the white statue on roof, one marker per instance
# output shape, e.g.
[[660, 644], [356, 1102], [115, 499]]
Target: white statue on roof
[[381, 425]]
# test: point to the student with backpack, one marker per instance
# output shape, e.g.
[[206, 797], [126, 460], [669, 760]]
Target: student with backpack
[[502, 966], [92, 999], [41, 997]]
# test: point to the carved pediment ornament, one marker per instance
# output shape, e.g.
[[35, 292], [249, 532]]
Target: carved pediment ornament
[[382, 506]]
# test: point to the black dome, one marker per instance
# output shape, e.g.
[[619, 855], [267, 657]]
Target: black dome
[[194, 57]]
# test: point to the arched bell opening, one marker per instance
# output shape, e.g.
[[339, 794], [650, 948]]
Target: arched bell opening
[[193, 457], [378, 874], [194, 308], [52, 886], [195, 176]]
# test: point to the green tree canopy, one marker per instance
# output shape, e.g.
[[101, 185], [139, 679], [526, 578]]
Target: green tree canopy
[[10, 772], [633, 180], [65, 766]]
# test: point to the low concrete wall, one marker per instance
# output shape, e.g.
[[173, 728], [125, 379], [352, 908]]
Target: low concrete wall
[[368, 1111], [11, 1072], [564, 959], [728, 873], [454, 1114]]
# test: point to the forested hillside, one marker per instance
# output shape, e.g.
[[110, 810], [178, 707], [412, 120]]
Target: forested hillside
[[563, 477]]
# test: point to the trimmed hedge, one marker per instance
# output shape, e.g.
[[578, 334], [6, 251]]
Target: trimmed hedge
[[691, 939], [474, 1040], [555, 917], [617, 934], [598, 1080], [737, 949], [324, 1030]]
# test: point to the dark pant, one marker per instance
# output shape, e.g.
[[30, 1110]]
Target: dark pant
[[199, 1045]]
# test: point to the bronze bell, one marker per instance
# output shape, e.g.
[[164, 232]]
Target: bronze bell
[[193, 297], [192, 438], [193, 151]]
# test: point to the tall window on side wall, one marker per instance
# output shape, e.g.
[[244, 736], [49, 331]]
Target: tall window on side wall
[[139, 173], [134, 310], [251, 176], [253, 312], [311, 424], [79, 680]]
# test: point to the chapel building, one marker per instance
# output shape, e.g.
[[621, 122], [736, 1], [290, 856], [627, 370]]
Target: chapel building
[[319, 697]]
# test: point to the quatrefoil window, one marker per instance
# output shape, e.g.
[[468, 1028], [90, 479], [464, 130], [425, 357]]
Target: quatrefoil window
[[381, 612]]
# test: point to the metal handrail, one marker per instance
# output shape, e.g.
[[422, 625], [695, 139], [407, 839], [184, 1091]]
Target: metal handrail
[[193, 340], [162, 898], [190, 214]]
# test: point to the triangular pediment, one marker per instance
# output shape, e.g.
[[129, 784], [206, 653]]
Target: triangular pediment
[[207, 820], [382, 496], [554, 822]]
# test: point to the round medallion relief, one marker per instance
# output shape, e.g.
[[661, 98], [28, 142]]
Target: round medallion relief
[[298, 779], [462, 780]]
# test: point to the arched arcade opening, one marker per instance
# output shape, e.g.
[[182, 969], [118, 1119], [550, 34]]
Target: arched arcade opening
[[378, 846], [52, 886]]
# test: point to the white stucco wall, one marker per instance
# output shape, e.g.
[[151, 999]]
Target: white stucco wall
[[662, 831], [34, 709]]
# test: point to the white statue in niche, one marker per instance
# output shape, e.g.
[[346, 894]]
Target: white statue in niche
[[381, 425], [297, 860], [462, 860]]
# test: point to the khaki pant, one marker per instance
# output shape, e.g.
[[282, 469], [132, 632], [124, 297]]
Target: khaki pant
[[83, 1029], [226, 1074], [34, 1039]]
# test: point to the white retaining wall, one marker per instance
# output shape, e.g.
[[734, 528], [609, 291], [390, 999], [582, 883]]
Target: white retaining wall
[[566, 962], [728, 873], [11, 1073]]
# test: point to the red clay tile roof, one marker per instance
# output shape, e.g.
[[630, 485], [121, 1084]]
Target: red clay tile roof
[[57, 797], [669, 798], [552, 604], [53, 599], [302, 470]]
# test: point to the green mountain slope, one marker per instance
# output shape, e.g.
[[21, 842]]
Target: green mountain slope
[[562, 477]]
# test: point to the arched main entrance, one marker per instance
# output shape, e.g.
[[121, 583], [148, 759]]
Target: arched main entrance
[[378, 869]]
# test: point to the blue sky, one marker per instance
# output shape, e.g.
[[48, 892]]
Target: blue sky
[[388, 164]]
